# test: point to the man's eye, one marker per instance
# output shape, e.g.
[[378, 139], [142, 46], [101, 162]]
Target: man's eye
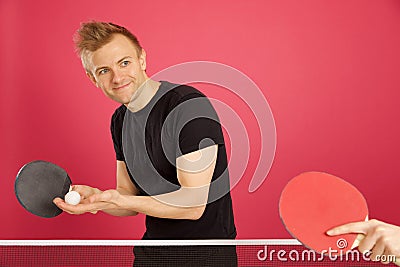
[[125, 63], [103, 71]]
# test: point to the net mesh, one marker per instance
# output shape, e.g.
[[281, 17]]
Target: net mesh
[[115, 255]]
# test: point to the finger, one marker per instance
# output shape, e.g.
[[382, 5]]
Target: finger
[[61, 204], [368, 244], [385, 257], [57, 200], [377, 251], [72, 209], [83, 190], [85, 201], [79, 209], [389, 257], [103, 197], [355, 227]]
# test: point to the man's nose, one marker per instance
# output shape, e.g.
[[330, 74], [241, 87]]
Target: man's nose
[[117, 76]]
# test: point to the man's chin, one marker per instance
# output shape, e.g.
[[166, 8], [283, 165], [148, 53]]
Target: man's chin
[[121, 100]]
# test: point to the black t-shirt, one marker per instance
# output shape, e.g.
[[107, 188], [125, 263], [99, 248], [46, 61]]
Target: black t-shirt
[[178, 120]]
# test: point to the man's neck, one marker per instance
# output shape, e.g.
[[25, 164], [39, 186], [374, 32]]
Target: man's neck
[[143, 95]]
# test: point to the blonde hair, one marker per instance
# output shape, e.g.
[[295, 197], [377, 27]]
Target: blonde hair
[[93, 35]]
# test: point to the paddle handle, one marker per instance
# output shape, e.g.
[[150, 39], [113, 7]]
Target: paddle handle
[[361, 237]]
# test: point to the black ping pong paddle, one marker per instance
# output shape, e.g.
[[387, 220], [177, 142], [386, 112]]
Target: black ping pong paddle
[[38, 183]]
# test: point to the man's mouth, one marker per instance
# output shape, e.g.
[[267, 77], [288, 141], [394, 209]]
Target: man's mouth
[[122, 86]]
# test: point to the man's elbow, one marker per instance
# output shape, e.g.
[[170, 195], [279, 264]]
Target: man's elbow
[[196, 213]]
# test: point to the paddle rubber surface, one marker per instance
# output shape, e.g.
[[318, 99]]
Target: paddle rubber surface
[[313, 202], [37, 184]]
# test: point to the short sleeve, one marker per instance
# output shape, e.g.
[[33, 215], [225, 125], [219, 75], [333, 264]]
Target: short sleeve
[[196, 124], [116, 132]]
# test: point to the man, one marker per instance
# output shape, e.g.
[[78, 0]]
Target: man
[[171, 157]]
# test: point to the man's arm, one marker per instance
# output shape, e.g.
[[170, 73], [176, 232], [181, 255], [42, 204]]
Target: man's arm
[[125, 187], [195, 171]]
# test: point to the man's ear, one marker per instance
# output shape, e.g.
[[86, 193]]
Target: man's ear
[[142, 60], [92, 78]]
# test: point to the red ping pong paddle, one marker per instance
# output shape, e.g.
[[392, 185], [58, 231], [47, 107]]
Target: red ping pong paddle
[[314, 202]]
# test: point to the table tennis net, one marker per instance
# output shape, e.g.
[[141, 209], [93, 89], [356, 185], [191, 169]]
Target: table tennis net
[[115, 253]]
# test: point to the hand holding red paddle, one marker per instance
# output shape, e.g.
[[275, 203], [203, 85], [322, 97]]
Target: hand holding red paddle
[[382, 239]]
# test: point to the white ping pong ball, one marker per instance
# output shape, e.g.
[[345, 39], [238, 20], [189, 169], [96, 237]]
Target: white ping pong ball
[[72, 198]]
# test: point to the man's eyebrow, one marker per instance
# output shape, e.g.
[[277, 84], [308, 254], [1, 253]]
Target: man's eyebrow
[[99, 68], [119, 61]]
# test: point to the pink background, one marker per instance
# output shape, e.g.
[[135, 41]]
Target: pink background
[[329, 70]]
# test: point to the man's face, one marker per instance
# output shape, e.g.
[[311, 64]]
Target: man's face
[[117, 69]]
